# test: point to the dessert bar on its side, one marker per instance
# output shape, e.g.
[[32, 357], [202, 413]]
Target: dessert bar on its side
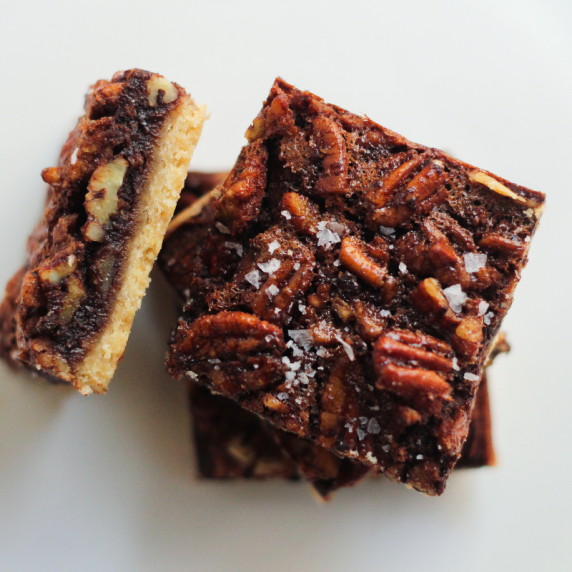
[[110, 200], [366, 280]]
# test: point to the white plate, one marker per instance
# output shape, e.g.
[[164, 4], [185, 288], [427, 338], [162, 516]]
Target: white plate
[[105, 483]]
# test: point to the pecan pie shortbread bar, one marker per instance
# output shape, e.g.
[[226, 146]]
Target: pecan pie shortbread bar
[[110, 200], [231, 442], [367, 280]]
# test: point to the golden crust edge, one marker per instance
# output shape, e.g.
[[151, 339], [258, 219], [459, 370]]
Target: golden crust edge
[[175, 149]]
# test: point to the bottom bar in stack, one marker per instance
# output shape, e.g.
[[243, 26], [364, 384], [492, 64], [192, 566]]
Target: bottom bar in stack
[[233, 443]]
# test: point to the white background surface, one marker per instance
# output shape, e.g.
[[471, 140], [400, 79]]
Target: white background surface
[[104, 483]]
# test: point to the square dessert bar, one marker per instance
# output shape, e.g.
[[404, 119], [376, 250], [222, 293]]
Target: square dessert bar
[[231, 442], [110, 200], [353, 285]]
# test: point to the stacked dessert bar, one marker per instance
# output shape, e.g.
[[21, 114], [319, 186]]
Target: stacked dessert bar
[[343, 287]]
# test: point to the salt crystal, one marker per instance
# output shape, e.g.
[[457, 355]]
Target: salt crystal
[[269, 267], [322, 352], [456, 297], [385, 313], [302, 308], [336, 227], [73, 158], [192, 374], [347, 348], [254, 278], [274, 245], [296, 351], [455, 364], [277, 311], [386, 230], [527, 239], [290, 253], [303, 338], [419, 457], [336, 263], [371, 458], [303, 378], [385, 448], [402, 268], [360, 434], [290, 375], [363, 420], [236, 246], [487, 318], [222, 228], [373, 426], [272, 290], [286, 215], [268, 338], [471, 376], [326, 237], [282, 396], [295, 365], [483, 307], [215, 360], [474, 262], [297, 266]]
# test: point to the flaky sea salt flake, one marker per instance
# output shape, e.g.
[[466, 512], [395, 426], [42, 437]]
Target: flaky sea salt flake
[[456, 297], [269, 267], [303, 338], [274, 245], [483, 307], [474, 261], [471, 376], [272, 290], [348, 349], [222, 228], [254, 278], [373, 426]]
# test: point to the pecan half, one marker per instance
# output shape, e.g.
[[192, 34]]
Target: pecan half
[[413, 366], [338, 405], [496, 242], [237, 351], [425, 191], [330, 142], [354, 257], [229, 334], [304, 214], [241, 193], [289, 269]]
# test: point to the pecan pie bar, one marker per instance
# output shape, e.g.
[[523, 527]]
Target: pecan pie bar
[[110, 200], [352, 286], [231, 442]]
